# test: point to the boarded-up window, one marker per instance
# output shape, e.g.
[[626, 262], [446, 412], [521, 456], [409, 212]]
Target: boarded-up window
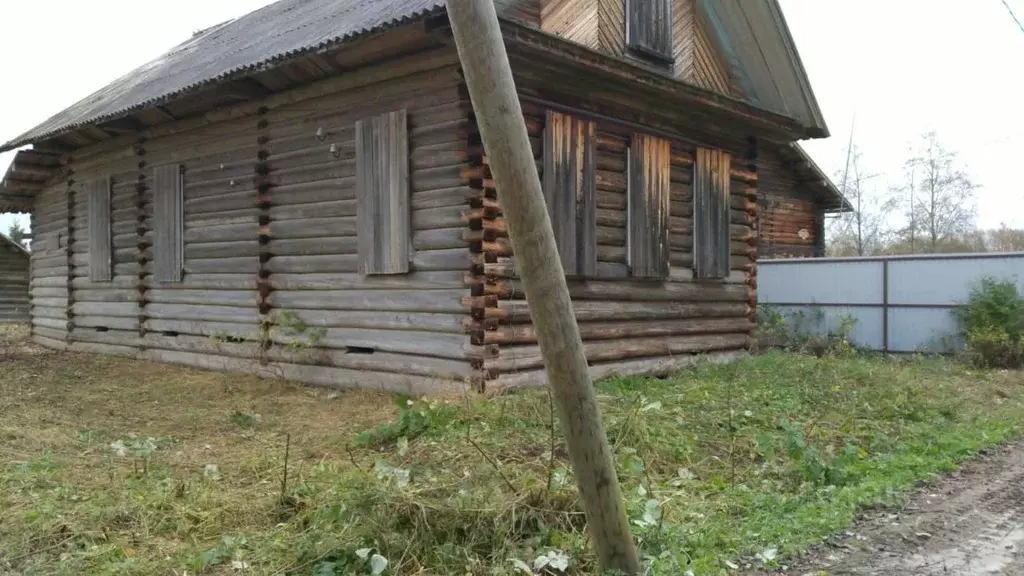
[[570, 188], [649, 28], [168, 223], [382, 194], [648, 206], [97, 195], [711, 214]]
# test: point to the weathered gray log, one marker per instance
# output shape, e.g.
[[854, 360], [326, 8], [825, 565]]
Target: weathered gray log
[[209, 313], [222, 265], [242, 298], [412, 281], [390, 300], [524, 334], [518, 311], [660, 366], [519, 358], [313, 246]]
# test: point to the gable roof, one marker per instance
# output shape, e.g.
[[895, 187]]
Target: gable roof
[[286, 29], [256, 41], [757, 44]]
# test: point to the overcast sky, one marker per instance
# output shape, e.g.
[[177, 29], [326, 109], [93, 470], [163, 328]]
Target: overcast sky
[[901, 67]]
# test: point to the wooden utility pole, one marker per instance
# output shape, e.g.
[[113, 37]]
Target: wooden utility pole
[[503, 130]]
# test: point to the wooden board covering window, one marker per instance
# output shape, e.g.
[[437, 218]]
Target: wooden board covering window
[[382, 194], [711, 214], [168, 223], [649, 28], [570, 188], [648, 206], [97, 193]]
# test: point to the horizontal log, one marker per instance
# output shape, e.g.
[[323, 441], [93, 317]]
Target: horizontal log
[[440, 198], [434, 218], [238, 298], [55, 333], [440, 239], [316, 375], [355, 281], [519, 358], [518, 311], [51, 343], [317, 264], [248, 265], [628, 329], [660, 366], [328, 209], [112, 322], [210, 313], [450, 323], [244, 331], [434, 344], [381, 300], [238, 248]]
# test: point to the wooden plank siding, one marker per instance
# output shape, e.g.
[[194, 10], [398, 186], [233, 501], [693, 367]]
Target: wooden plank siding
[[168, 223], [570, 189], [711, 214], [382, 193], [97, 194], [649, 189]]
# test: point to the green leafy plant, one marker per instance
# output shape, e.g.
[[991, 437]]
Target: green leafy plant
[[992, 324], [804, 331], [415, 417]]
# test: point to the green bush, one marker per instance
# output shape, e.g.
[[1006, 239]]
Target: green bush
[[992, 324], [803, 331]]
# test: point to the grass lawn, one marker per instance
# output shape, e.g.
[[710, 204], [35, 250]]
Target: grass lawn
[[113, 466]]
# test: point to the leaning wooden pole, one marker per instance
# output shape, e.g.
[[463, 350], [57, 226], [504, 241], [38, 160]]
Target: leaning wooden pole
[[503, 129]]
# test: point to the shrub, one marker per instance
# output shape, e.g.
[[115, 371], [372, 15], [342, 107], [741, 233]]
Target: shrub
[[992, 324], [804, 331]]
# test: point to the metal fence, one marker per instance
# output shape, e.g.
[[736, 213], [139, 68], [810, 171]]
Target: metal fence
[[898, 303]]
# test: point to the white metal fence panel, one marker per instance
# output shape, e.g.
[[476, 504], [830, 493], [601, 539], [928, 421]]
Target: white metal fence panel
[[898, 303]]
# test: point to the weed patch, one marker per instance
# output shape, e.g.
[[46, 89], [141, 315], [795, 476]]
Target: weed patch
[[110, 466]]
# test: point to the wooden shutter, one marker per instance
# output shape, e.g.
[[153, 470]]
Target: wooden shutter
[[97, 194], [648, 206], [382, 194], [168, 223], [570, 188], [711, 236], [649, 28]]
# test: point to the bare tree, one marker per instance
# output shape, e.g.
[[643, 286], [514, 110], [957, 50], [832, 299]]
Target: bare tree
[[1005, 239], [17, 233], [939, 198], [859, 232]]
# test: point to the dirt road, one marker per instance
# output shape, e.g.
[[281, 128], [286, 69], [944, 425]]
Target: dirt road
[[970, 524]]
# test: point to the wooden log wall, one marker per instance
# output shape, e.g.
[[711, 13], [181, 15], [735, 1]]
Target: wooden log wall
[[629, 326], [106, 312], [14, 284], [49, 274], [271, 283], [394, 329], [790, 223]]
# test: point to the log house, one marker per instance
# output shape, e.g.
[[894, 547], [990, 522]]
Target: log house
[[302, 193]]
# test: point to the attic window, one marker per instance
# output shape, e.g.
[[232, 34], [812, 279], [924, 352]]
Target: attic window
[[649, 29]]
